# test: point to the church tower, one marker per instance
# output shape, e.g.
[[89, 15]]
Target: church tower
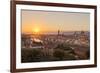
[[58, 32]]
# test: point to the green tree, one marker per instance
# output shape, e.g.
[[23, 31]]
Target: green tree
[[58, 53]]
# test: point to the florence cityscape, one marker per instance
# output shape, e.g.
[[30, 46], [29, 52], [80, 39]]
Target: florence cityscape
[[54, 36]]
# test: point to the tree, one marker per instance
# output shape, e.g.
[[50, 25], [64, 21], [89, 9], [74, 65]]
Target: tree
[[58, 53]]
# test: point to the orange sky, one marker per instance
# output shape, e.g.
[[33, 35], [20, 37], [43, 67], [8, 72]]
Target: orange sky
[[46, 21]]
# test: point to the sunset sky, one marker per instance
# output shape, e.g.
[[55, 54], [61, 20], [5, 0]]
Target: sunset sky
[[48, 21]]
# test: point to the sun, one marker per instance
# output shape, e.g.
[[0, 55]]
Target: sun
[[36, 30]]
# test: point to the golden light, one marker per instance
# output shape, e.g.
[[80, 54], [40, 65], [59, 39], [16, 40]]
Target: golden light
[[36, 30]]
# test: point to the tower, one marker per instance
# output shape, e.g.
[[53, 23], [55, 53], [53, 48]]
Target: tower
[[58, 32]]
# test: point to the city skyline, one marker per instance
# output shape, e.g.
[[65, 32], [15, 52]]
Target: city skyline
[[49, 21]]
